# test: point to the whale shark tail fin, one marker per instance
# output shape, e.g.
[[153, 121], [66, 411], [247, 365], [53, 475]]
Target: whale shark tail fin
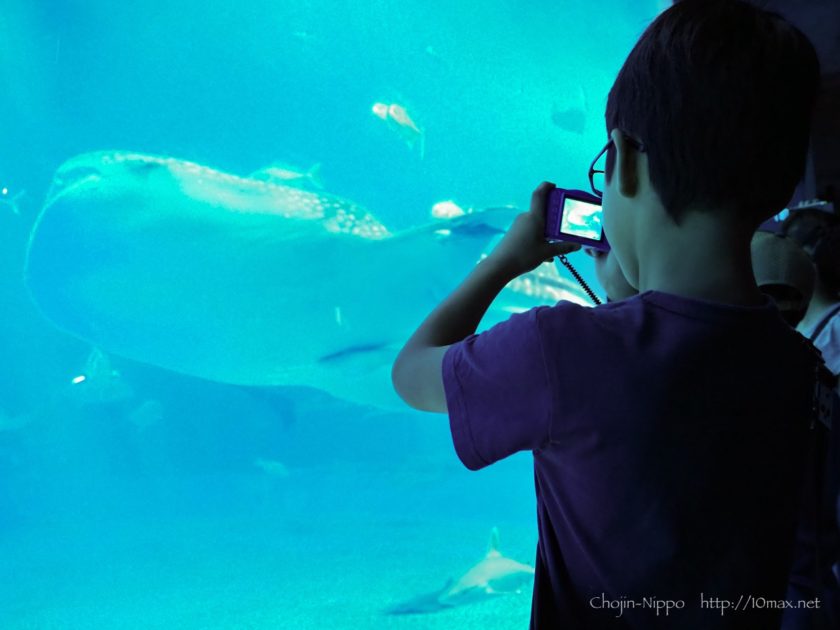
[[493, 545]]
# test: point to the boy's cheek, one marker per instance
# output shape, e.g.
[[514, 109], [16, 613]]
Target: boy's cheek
[[616, 233], [612, 230], [618, 287]]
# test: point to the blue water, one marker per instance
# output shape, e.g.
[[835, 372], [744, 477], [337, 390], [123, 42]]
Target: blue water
[[137, 499]]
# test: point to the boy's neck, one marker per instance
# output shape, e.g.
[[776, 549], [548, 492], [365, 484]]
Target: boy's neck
[[703, 258]]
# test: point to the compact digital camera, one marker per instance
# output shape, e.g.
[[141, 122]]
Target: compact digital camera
[[575, 216]]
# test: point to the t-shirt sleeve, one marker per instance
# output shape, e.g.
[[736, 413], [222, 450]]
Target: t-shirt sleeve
[[497, 391]]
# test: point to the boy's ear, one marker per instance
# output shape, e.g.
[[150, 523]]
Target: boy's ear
[[626, 165]]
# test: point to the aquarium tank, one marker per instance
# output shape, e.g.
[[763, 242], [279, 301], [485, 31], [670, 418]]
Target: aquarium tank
[[220, 222]]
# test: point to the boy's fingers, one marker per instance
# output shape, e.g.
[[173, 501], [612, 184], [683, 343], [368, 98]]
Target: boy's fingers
[[561, 249], [565, 248], [540, 197]]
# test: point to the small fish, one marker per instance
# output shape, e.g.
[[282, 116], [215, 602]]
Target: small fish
[[398, 119], [99, 382], [447, 210], [380, 110], [398, 114], [432, 52], [279, 173], [10, 200], [272, 468]]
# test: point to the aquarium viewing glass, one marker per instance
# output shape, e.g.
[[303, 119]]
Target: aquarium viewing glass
[[221, 221]]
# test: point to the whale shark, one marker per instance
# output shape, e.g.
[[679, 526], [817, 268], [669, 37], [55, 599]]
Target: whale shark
[[245, 281], [493, 575]]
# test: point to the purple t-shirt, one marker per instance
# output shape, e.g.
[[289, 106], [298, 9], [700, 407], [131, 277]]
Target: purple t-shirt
[[669, 439]]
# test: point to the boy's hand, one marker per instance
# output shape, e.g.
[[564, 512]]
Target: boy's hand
[[524, 247]]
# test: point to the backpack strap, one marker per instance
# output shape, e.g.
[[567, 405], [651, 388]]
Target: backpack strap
[[824, 322]]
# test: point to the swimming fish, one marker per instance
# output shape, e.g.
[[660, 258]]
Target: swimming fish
[[272, 468], [380, 110], [398, 119], [447, 210], [10, 199], [240, 281], [493, 575], [99, 382]]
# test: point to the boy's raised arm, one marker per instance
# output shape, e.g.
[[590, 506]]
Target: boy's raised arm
[[416, 373]]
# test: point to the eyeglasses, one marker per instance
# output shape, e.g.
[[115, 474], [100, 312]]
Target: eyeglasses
[[596, 175]]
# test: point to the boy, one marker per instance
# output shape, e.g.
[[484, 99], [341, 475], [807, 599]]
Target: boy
[[669, 430], [785, 273]]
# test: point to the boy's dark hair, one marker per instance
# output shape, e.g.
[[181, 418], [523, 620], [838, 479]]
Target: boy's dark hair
[[721, 94]]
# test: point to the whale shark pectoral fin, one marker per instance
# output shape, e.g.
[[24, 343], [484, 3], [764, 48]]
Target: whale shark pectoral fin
[[480, 224]]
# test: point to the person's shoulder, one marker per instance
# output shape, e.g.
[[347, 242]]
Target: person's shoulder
[[569, 318], [833, 326], [608, 309]]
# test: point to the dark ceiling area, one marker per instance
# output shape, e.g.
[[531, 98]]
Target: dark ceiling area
[[820, 21]]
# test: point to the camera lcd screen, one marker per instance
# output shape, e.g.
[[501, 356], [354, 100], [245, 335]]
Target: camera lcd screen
[[581, 219]]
